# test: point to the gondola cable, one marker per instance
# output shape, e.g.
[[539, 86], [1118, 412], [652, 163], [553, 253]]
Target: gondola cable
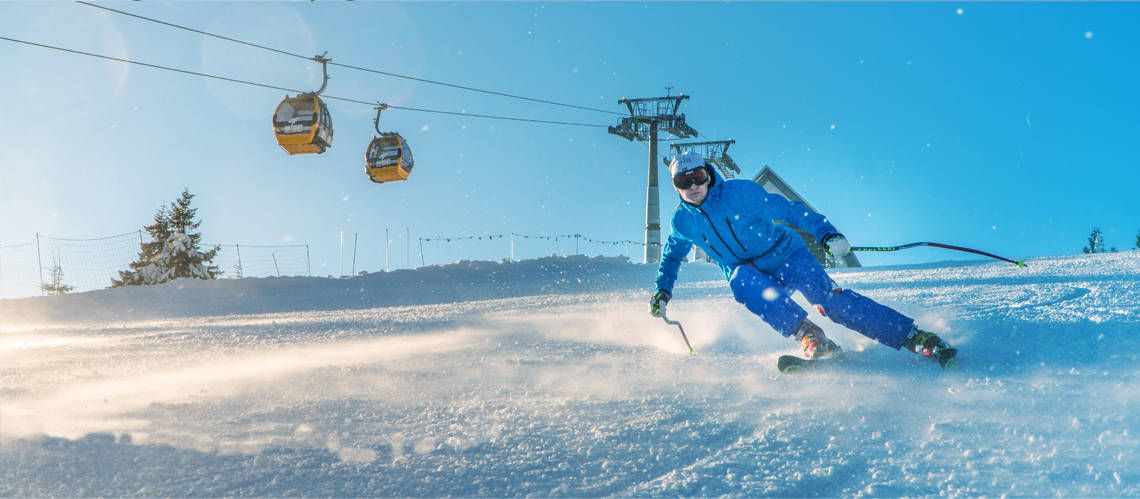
[[275, 87], [348, 66]]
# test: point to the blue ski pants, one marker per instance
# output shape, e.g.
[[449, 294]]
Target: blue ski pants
[[769, 295]]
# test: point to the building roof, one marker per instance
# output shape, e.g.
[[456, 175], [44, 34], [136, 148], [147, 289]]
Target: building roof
[[772, 183]]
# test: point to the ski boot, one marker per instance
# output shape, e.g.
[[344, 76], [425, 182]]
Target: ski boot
[[928, 344], [816, 344]]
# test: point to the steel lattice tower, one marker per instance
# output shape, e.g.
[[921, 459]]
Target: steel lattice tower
[[646, 117]]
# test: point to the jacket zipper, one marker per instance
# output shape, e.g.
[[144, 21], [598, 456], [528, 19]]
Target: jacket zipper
[[718, 236], [710, 245], [733, 232]]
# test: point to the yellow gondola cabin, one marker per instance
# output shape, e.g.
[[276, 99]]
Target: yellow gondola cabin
[[303, 125], [388, 158]]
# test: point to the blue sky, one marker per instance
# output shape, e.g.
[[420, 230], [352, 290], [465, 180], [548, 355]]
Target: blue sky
[[1007, 127]]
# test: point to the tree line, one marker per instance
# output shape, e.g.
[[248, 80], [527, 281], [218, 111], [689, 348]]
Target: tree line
[[1096, 242]]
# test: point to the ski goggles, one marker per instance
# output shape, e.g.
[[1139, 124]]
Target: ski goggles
[[685, 180]]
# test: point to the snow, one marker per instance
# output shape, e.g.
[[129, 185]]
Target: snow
[[548, 378]]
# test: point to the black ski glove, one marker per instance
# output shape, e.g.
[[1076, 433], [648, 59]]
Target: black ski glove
[[657, 303]]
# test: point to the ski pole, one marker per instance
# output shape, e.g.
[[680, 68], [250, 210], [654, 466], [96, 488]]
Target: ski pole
[[683, 336], [1019, 263]]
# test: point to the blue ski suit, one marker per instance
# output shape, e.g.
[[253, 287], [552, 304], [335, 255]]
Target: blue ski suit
[[765, 262]]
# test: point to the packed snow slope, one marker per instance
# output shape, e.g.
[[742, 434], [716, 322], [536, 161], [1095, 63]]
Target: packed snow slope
[[549, 378]]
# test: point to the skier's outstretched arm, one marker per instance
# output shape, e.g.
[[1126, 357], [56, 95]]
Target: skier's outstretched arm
[[792, 212]]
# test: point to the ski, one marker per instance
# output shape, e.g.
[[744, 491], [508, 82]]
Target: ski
[[790, 363]]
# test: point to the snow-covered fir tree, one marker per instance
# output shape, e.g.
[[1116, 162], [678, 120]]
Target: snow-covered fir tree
[[1096, 242], [145, 269], [186, 258], [173, 251], [56, 286]]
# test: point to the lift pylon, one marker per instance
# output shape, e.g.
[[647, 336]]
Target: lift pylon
[[646, 117]]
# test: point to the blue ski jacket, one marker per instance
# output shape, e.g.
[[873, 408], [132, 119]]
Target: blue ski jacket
[[736, 225]]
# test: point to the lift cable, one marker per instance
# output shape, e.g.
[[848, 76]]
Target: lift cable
[[274, 87], [348, 66]]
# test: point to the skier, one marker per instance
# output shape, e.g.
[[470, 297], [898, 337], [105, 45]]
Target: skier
[[734, 222]]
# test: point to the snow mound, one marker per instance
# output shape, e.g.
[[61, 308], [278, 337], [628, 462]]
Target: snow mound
[[549, 378], [458, 282]]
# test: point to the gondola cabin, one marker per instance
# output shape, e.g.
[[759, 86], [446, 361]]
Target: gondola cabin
[[303, 125], [388, 158]]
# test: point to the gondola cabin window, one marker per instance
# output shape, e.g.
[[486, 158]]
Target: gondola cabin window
[[295, 117], [407, 156]]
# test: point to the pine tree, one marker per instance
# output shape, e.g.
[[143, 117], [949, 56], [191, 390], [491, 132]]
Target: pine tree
[[186, 260], [173, 251], [56, 286], [145, 270], [1096, 242]]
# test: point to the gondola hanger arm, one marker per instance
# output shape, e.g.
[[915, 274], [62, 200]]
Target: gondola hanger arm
[[324, 69], [380, 107]]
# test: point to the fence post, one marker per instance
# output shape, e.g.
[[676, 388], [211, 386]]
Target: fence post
[[355, 238], [241, 270], [40, 263]]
